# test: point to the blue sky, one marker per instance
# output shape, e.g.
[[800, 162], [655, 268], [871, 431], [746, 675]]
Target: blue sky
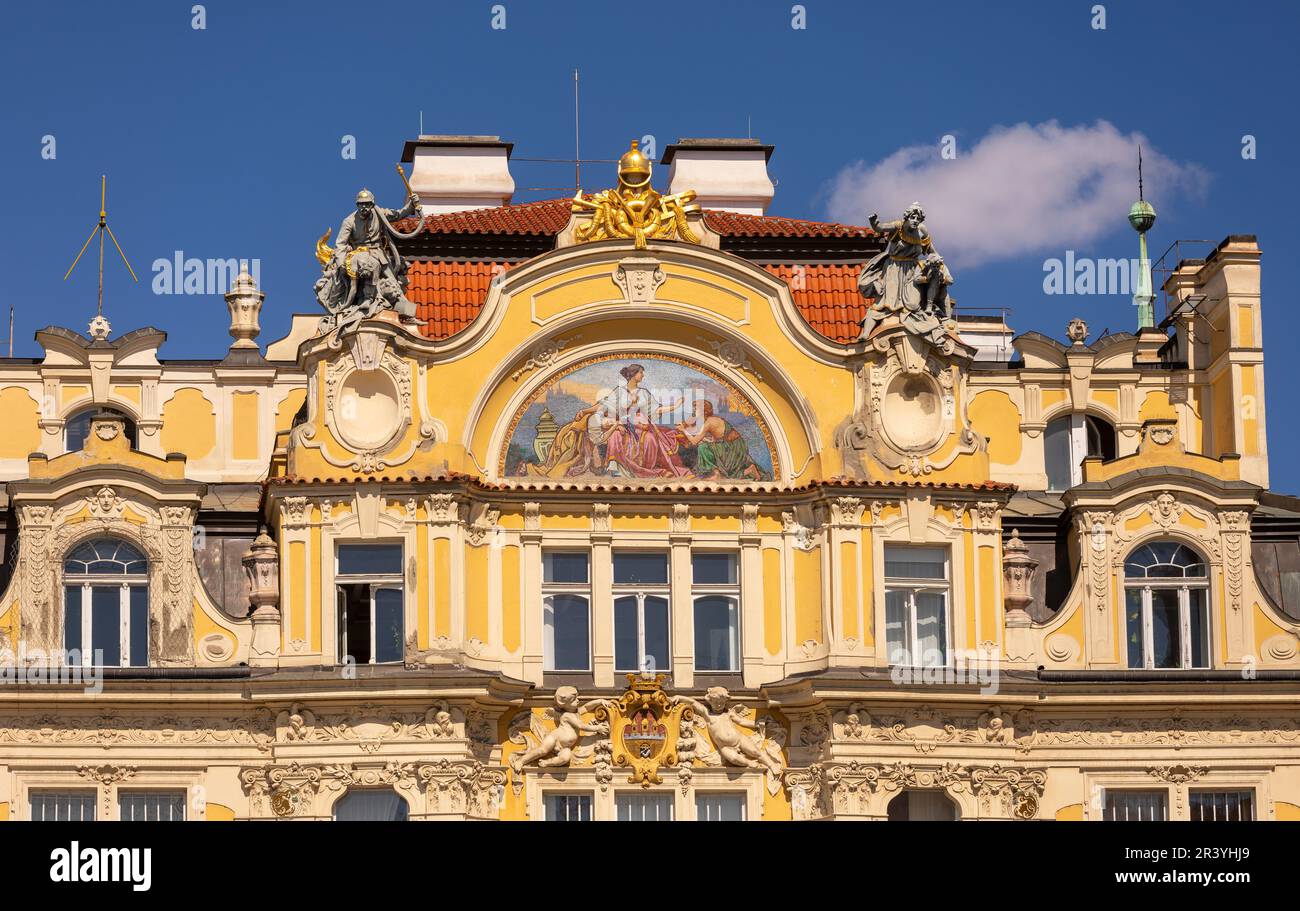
[[225, 141]]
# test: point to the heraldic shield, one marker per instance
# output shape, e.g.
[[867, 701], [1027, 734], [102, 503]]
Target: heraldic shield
[[645, 725]]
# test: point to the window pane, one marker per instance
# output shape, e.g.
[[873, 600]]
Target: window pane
[[640, 569], [1166, 643], [896, 627], [1056, 452], [151, 806], [72, 623], [565, 567], [139, 626], [1133, 626], [371, 805], [713, 569], [565, 621], [1199, 627], [720, 807], [63, 806], [354, 622], [106, 625], [1136, 806], [915, 562], [931, 640], [1222, 806], [625, 635], [644, 807], [656, 635], [715, 634], [568, 807], [370, 559], [388, 624]]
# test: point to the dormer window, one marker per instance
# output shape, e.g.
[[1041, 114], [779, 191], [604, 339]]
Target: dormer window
[[76, 429], [1166, 607], [106, 605]]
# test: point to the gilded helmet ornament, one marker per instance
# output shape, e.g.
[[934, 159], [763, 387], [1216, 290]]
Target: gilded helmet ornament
[[634, 167], [365, 196]]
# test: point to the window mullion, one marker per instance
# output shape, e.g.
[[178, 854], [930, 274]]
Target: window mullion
[[1148, 642], [124, 625], [87, 658]]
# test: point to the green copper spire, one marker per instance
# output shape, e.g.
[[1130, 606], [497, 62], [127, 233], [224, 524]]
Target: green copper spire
[[1142, 216]]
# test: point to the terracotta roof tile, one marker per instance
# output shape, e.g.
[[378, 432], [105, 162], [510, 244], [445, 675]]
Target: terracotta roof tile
[[827, 296], [549, 216]]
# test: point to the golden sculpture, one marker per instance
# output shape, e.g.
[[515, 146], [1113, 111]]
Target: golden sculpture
[[634, 209], [645, 727]]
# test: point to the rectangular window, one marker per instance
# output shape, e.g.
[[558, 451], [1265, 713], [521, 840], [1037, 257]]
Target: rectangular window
[[719, 807], [567, 807], [1136, 806], [371, 606], [1167, 626], [916, 605], [641, 612], [63, 806], [106, 624], [1222, 806], [151, 806], [644, 807], [566, 611], [715, 593]]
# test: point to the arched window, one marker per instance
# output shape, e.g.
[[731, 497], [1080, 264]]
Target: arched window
[[921, 806], [106, 605], [1070, 439], [371, 805], [1166, 607], [77, 428]]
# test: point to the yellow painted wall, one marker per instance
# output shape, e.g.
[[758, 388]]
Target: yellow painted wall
[[476, 593], [510, 601], [19, 414], [442, 587], [289, 406], [1070, 813], [849, 588], [995, 416], [1250, 406], [218, 812], [772, 600], [808, 596], [189, 424], [243, 406]]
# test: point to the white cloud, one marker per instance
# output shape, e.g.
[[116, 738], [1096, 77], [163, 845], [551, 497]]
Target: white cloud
[[1020, 189]]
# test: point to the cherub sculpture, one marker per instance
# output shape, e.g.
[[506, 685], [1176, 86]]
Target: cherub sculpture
[[737, 740], [560, 745]]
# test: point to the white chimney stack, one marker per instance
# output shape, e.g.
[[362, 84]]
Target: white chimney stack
[[727, 174], [455, 173]]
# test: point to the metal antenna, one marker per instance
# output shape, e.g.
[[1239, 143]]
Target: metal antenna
[[577, 155], [1140, 196], [101, 229]]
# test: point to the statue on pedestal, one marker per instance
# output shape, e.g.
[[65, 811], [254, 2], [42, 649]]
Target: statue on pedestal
[[364, 273], [907, 280]]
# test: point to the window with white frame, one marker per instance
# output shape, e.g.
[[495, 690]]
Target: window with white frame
[[1213, 805], [1166, 607], [567, 807], [151, 806], [62, 806], [371, 805], [715, 593], [1068, 440], [1136, 806], [641, 611], [566, 611], [916, 605], [106, 605], [371, 614], [642, 807], [77, 428], [719, 807]]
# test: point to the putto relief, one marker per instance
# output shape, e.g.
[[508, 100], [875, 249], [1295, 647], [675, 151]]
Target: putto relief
[[639, 418]]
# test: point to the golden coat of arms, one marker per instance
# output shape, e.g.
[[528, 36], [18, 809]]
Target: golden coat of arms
[[644, 727]]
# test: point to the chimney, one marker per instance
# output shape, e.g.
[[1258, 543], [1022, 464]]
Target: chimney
[[727, 174], [455, 173]]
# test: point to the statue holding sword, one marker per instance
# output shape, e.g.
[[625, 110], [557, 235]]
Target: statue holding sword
[[364, 272]]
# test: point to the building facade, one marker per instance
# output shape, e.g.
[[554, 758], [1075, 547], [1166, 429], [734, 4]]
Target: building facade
[[629, 519]]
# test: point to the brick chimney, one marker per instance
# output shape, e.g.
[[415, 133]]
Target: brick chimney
[[455, 173], [727, 174]]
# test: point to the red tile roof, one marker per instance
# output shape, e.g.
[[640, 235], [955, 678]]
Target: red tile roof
[[549, 216], [827, 296]]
